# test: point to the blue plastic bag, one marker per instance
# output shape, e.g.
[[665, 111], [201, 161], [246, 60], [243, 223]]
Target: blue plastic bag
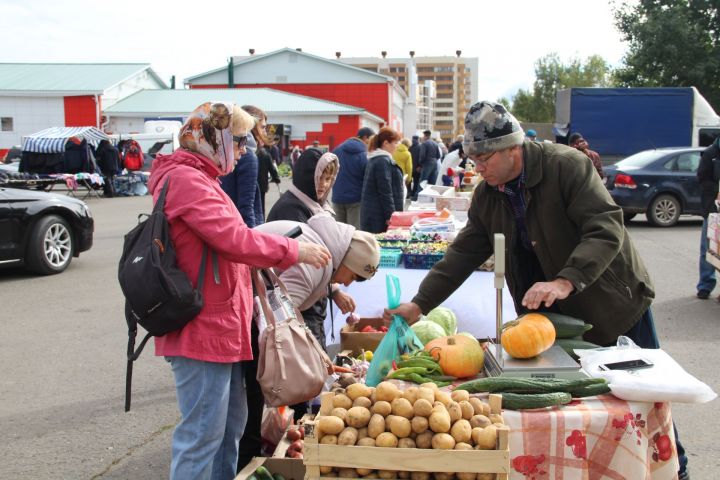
[[399, 339]]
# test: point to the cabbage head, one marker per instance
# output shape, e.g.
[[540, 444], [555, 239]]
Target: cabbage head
[[427, 331], [444, 317]]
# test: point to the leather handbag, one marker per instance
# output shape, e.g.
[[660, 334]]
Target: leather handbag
[[292, 366]]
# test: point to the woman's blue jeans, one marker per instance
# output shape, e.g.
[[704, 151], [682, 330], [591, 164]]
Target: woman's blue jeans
[[211, 398]]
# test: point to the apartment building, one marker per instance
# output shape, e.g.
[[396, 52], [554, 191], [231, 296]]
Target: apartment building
[[455, 81]]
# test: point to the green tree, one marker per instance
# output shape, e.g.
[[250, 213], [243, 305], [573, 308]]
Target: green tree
[[551, 74], [671, 43]]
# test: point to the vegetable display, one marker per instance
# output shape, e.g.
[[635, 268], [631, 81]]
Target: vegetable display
[[428, 331], [528, 336], [444, 317], [458, 355]]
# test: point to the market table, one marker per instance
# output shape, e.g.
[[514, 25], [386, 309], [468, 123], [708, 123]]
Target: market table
[[473, 303], [594, 437]]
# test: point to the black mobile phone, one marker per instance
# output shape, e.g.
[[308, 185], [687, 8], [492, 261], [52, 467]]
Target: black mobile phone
[[294, 233], [627, 365]]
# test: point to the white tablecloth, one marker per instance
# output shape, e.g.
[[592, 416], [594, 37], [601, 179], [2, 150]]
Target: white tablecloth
[[473, 303]]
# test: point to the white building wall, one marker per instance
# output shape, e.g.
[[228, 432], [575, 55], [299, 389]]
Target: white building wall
[[141, 81], [301, 124], [30, 115]]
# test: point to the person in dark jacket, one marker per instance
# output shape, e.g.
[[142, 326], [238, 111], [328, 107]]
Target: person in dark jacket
[[708, 178], [242, 184], [108, 159], [415, 153], [429, 156], [383, 188], [567, 249], [266, 171], [352, 154]]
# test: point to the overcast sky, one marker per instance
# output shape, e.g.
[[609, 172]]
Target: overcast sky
[[185, 38]]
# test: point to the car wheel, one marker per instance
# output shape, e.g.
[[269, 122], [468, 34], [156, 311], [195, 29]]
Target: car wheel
[[664, 211], [627, 216], [51, 246]]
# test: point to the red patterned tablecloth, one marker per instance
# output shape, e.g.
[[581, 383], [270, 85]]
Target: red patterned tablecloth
[[594, 438]]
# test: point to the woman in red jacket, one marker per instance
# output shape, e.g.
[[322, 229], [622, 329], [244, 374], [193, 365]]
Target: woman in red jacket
[[207, 354]]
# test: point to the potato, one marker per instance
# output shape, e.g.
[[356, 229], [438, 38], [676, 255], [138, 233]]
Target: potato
[[342, 401], [443, 441], [486, 409], [356, 390], [387, 474], [466, 475], [406, 443], [324, 469], [480, 421], [485, 476], [402, 407], [477, 405], [411, 394], [400, 427], [364, 471], [454, 410], [498, 424], [419, 475], [387, 391], [366, 442], [424, 440], [463, 446], [347, 473], [496, 418], [459, 395], [431, 385], [426, 393], [362, 402], [348, 436], [388, 421], [387, 440], [329, 440], [403, 474], [362, 432], [422, 407], [341, 413], [382, 407], [461, 431], [419, 424], [439, 421], [376, 426], [486, 438], [372, 475], [331, 425], [442, 397], [467, 410], [443, 476], [358, 417]]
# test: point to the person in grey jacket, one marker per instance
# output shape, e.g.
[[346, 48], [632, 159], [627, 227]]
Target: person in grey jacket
[[429, 156], [383, 187], [566, 248]]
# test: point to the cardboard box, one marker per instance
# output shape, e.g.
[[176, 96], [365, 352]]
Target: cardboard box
[[290, 468], [432, 192], [351, 338], [459, 202]]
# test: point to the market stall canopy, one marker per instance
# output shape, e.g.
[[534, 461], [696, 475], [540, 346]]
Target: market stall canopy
[[52, 140]]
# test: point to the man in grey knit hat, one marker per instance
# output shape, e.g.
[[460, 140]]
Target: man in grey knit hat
[[566, 248]]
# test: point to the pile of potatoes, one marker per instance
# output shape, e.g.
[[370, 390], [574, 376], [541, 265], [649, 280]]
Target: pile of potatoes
[[419, 417]]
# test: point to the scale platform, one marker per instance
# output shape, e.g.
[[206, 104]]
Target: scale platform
[[552, 363]]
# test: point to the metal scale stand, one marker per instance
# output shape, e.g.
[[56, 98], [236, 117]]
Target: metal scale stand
[[553, 363]]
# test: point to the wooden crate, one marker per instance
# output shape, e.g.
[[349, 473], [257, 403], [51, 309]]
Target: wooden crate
[[403, 459]]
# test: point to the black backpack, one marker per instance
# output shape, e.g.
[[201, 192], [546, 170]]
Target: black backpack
[[158, 295]]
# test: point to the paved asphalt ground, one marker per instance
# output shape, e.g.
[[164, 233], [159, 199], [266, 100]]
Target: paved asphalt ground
[[63, 343]]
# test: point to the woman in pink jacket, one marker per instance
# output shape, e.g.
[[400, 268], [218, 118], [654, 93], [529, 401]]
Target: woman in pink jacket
[[207, 354]]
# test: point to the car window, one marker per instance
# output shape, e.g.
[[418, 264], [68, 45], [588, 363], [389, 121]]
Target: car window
[[670, 165], [641, 159], [688, 162]]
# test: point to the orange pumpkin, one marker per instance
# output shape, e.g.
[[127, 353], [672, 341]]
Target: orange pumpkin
[[458, 355], [528, 336]]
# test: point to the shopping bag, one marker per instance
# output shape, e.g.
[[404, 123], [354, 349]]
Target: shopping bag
[[399, 339], [275, 420]]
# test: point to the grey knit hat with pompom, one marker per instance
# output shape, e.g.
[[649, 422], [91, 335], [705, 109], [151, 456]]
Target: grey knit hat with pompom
[[489, 127]]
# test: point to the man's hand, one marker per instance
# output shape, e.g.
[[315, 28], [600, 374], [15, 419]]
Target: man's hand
[[344, 301], [312, 254], [409, 311], [547, 293]]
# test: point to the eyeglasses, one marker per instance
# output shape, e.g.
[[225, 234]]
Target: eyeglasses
[[483, 161], [241, 141]]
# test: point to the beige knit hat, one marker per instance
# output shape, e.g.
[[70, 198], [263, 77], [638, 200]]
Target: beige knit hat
[[363, 256]]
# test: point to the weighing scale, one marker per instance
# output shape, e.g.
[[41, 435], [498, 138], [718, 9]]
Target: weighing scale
[[552, 363]]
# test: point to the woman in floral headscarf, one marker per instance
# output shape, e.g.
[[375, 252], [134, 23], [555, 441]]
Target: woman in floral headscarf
[[207, 355]]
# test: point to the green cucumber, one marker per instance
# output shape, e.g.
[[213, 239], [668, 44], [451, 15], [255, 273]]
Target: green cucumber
[[570, 344], [526, 385], [278, 476], [590, 390], [263, 473], [519, 401], [567, 326]]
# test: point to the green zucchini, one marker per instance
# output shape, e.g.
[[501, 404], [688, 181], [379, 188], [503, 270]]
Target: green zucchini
[[526, 385], [567, 326], [590, 390], [519, 401], [570, 344], [263, 473], [278, 476]]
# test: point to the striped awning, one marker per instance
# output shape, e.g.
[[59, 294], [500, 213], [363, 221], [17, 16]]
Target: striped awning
[[52, 140]]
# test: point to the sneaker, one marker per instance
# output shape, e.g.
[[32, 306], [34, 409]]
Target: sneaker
[[684, 475], [703, 294]]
